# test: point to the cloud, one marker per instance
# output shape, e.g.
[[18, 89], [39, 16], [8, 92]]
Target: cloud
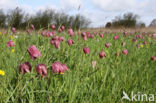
[[8, 4], [99, 18], [106, 10], [48, 6], [114, 5], [70, 5]]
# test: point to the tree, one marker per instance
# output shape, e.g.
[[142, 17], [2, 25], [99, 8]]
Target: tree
[[79, 22], [49, 16], [15, 17], [140, 25], [61, 18], [42, 19], [108, 25], [128, 20], [153, 23], [2, 19]]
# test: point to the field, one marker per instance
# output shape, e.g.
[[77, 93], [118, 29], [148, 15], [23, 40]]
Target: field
[[112, 63]]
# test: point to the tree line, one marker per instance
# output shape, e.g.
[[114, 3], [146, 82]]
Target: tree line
[[42, 19], [128, 20]]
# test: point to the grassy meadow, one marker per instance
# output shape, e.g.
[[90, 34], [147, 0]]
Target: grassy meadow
[[103, 82]]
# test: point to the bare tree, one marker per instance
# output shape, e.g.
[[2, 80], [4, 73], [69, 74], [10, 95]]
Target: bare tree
[[153, 23]]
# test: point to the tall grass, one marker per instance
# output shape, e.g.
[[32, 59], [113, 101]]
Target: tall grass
[[82, 83]]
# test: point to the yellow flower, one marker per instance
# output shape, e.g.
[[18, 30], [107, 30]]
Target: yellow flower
[[149, 38], [0, 33], [11, 37], [141, 45], [13, 50], [24, 39], [2, 72], [61, 73]]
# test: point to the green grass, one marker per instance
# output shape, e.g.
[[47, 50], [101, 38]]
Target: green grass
[[81, 84]]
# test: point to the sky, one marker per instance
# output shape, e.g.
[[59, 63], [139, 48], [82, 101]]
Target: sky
[[98, 11]]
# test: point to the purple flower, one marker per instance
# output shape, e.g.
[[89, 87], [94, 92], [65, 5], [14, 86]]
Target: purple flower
[[13, 30], [145, 42], [70, 42], [107, 45], [55, 41], [28, 31], [48, 34], [102, 54], [125, 51], [116, 37], [34, 52], [61, 39], [32, 26], [83, 34], [70, 32], [57, 67], [11, 43], [59, 30], [134, 40], [25, 67], [101, 35], [53, 27], [153, 58], [125, 33], [57, 44], [42, 70], [86, 50], [84, 38], [43, 33], [62, 27]]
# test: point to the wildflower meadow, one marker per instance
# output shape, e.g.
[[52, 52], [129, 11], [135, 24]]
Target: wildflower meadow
[[67, 66]]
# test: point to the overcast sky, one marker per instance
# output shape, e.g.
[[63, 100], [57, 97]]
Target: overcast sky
[[99, 11]]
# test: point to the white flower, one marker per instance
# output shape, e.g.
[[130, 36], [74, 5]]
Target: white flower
[[16, 37]]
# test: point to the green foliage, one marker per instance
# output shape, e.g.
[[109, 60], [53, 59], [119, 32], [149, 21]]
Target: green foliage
[[42, 19], [129, 20], [2, 19], [15, 18]]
